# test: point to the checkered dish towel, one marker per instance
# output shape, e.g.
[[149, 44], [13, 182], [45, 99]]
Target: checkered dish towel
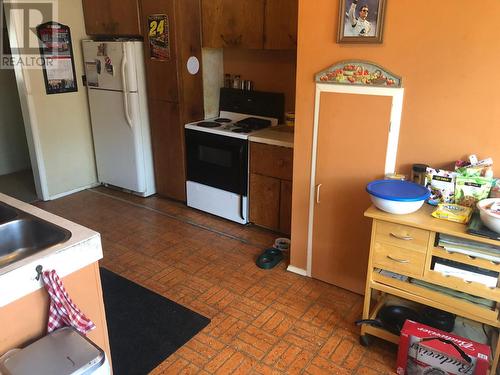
[[63, 312]]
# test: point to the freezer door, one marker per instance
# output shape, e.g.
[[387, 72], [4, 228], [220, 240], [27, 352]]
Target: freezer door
[[107, 69], [118, 144]]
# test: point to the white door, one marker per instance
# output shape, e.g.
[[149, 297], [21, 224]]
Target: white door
[[367, 118], [118, 148]]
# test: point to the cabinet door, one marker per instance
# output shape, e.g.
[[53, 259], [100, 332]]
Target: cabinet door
[[286, 207], [280, 29], [125, 17], [270, 160], [265, 201], [341, 235], [233, 24], [97, 16], [167, 139], [112, 17], [162, 74]]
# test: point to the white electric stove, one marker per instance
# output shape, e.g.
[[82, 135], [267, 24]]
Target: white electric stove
[[217, 152]]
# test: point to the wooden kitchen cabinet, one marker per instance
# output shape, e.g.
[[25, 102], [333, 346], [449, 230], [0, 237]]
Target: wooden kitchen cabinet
[[233, 24], [250, 24], [285, 207], [271, 186], [265, 201], [112, 17], [280, 26], [175, 95]]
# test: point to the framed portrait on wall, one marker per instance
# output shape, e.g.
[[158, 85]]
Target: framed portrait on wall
[[361, 21]]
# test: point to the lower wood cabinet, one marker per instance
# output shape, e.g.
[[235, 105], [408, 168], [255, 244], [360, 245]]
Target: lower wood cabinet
[[285, 207], [265, 201], [271, 186]]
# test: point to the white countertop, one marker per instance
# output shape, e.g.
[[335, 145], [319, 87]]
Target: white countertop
[[281, 135], [83, 248]]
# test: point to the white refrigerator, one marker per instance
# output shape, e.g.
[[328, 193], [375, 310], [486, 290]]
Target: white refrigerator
[[116, 86]]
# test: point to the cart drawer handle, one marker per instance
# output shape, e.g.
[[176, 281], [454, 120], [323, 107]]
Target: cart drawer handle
[[398, 260], [399, 237]]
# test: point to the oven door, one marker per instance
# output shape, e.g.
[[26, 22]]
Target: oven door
[[218, 161]]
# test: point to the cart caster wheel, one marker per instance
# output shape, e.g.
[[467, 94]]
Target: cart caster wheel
[[365, 340]]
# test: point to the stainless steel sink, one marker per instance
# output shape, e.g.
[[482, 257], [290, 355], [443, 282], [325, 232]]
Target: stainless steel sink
[[7, 213], [26, 235]]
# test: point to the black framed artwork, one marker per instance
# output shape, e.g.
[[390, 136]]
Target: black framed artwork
[[56, 51]]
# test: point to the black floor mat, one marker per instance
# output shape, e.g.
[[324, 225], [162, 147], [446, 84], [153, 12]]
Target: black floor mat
[[144, 328]]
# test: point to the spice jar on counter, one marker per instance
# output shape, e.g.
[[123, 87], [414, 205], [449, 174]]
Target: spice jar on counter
[[237, 82], [228, 82], [418, 173]]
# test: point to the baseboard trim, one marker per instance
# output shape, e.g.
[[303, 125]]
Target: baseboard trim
[[61, 195], [297, 270]]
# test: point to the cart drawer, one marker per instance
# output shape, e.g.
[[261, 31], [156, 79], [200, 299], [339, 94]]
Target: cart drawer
[[403, 236], [398, 259]]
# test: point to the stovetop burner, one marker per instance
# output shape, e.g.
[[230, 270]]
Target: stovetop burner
[[233, 124], [222, 119], [208, 124], [241, 130], [253, 123]]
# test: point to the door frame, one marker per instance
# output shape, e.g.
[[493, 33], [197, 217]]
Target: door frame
[[28, 111], [392, 144]]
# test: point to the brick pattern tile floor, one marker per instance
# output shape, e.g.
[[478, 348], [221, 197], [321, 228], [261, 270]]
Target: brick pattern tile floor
[[262, 321]]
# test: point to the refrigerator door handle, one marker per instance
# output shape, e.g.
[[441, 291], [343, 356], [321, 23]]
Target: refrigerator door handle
[[124, 84]]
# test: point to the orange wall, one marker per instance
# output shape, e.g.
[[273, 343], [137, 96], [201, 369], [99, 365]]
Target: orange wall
[[447, 54], [270, 70]]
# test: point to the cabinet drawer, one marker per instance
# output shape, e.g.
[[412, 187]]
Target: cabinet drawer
[[272, 161], [462, 258], [462, 285], [402, 235], [397, 259]]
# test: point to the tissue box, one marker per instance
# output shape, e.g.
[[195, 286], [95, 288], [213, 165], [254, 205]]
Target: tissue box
[[427, 350]]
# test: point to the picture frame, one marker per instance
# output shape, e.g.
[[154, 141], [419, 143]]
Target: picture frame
[[357, 26], [56, 51]]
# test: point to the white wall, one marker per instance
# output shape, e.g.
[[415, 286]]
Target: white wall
[[63, 131], [14, 154]]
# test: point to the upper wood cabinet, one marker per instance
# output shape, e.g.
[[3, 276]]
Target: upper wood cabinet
[[250, 24], [235, 24], [280, 26], [112, 17]]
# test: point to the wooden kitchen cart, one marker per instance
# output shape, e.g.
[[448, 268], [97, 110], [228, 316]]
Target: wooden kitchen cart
[[405, 245]]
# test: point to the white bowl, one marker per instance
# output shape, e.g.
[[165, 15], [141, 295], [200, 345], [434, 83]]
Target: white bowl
[[396, 207], [491, 220]]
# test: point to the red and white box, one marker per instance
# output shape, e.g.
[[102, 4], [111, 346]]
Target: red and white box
[[424, 350]]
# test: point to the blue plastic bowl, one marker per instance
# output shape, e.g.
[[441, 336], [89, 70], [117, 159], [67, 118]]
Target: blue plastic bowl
[[397, 197]]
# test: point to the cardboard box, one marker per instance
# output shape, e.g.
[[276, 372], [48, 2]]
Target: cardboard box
[[424, 350]]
